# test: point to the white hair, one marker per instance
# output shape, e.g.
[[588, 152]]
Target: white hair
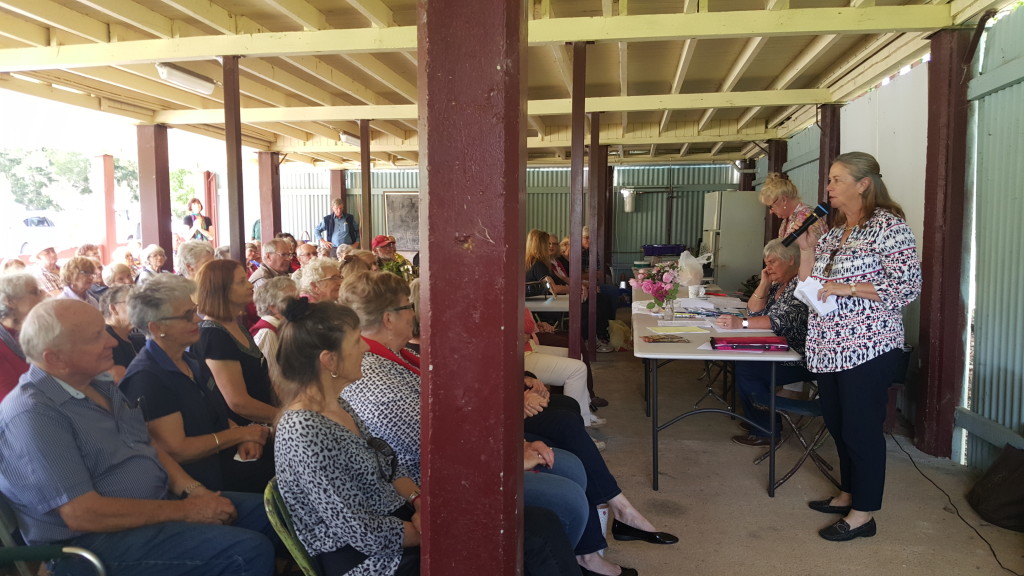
[[43, 330], [316, 270], [13, 287]]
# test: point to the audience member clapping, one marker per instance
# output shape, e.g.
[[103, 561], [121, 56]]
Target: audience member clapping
[[19, 293], [114, 306], [77, 276]]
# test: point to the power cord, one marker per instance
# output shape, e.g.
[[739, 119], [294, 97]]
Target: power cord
[[957, 510]]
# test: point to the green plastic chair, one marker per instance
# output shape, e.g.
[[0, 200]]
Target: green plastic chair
[[281, 520], [12, 553]]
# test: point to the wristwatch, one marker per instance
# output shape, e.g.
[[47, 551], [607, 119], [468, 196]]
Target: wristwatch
[[746, 324]]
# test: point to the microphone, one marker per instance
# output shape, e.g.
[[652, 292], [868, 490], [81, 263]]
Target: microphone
[[820, 211]]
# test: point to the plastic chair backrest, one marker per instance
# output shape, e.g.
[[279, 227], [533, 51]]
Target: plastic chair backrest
[[8, 526], [281, 520], [13, 553]]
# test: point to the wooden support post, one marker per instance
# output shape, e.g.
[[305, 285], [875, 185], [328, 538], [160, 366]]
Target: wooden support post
[[829, 148], [943, 309], [472, 82], [579, 117], [595, 275], [106, 165], [210, 204], [155, 187], [366, 231], [233, 144], [270, 194]]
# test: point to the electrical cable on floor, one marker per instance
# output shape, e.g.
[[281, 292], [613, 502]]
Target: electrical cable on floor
[[957, 510]]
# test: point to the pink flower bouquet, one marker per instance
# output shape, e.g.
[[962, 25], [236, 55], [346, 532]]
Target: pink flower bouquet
[[661, 282]]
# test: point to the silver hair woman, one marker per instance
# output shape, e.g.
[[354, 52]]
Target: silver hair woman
[[320, 280], [271, 298], [19, 293], [185, 415], [153, 258], [114, 306], [191, 257], [869, 267]]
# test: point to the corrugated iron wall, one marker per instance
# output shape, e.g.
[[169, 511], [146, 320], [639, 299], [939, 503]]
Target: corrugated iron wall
[[996, 391], [304, 199], [802, 166]]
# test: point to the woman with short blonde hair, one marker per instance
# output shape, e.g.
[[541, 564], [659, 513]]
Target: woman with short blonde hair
[[782, 198], [78, 275]]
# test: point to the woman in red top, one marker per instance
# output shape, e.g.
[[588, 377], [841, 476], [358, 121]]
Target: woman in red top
[[19, 293]]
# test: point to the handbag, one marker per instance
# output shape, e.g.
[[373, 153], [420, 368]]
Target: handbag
[[766, 343], [998, 497]]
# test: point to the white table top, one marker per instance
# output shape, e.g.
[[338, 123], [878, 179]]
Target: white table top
[[548, 304], [689, 350]]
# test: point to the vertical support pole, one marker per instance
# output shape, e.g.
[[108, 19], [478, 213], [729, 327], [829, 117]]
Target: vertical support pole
[[595, 276], [210, 202], [943, 307], [579, 95], [155, 186], [606, 204], [233, 143], [106, 163], [270, 194], [366, 231], [747, 167], [829, 148], [472, 217], [778, 151]]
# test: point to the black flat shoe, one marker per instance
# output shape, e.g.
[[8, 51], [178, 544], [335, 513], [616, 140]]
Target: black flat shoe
[[625, 572], [623, 531], [841, 531], [825, 506], [598, 402]]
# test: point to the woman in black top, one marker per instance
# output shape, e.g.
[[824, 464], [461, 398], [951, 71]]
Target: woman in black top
[[114, 306]]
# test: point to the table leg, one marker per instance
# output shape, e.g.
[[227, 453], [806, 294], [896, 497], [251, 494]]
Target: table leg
[[652, 401], [648, 366], [771, 436]]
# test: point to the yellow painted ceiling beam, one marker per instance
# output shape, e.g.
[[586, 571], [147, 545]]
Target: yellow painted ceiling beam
[[736, 24], [534, 108]]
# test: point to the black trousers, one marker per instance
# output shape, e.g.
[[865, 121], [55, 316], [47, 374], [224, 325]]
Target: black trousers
[[546, 548], [853, 403]]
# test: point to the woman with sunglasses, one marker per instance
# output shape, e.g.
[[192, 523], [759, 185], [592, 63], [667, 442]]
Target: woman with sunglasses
[[354, 506], [185, 414], [869, 264]]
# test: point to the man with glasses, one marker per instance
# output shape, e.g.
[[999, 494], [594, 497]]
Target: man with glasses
[[80, 470], [277, 260]]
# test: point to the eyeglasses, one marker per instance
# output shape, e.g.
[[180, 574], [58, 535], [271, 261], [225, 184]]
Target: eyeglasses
[[287, 254], [406, 307], [387, 461], [189, 316], [831, 260]]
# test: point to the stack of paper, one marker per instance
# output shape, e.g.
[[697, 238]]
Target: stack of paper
[[807, 292]]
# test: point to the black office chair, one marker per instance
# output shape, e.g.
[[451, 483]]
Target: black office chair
[[797, 417]]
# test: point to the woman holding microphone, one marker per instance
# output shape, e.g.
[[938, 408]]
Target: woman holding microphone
[[869, 262]]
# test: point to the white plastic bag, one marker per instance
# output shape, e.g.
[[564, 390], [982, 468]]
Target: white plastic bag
[[691, 270]]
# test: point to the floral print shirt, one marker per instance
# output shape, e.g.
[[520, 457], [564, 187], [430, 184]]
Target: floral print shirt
[[800, 213], [787, 315], [883, 253]]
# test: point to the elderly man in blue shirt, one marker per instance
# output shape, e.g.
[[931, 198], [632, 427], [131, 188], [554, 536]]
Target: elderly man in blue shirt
[[338, 227], [77, 464]]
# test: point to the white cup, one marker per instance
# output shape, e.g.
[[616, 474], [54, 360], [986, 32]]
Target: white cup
[[696, 291]]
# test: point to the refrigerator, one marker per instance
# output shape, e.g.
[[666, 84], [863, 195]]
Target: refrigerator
[[734, 235]]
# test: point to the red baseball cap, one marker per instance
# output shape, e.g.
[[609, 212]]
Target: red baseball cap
[[379, 241]]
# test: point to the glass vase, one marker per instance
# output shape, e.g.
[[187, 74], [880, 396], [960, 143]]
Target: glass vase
[[668, 310]]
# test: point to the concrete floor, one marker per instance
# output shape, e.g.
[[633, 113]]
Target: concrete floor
[[714, 498]]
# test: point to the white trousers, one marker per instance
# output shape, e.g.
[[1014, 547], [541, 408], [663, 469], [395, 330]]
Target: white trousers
[[554, 367]]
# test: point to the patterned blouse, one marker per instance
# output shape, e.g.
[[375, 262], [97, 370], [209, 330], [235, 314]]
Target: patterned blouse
[[387, 398], [883, 253], [800, 213], [788, 316], [329, 480]]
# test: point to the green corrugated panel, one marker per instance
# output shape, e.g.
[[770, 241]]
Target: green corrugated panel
[[997, 389]]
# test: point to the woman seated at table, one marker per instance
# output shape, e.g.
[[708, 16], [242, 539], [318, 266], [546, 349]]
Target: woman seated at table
[[772, 307], [782, 198], [184, 412]]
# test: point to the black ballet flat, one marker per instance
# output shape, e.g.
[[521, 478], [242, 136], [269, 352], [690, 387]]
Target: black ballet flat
[[625, 572], [841, 531], [623, 531], [825, 506]]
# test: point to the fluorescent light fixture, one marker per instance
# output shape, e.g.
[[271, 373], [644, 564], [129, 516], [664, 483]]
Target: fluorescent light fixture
[[349, 139], [185, 78]]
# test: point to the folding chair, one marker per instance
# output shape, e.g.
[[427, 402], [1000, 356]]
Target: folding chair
[[281, 520], [13, 552], [797, 416], [713, 370]]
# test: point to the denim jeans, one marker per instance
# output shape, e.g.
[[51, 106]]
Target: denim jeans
[[755, 378], [560, 489], [185, 548]]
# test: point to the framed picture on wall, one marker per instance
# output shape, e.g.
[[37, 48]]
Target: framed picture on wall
[[402, 219]]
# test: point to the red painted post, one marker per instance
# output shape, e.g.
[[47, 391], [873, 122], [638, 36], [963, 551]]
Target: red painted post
[[109, 215], [155, 187], [270, 195], [579, 95], [366, 231], [595, 275], [235, 236], [210, 202], [943, 310], [829, 145], [472, 216]]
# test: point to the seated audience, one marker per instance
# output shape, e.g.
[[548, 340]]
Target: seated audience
[[77, 276], [114, 306], [115, 494], [358, 261], [117, 274], [227, 348], [185, 413], [352, 513], [46, 271], [153, 259], [19, 293], [98, 285], [89, 251], [277, 261], [12, 266], [304, 253], [774, 307], [320, 280], [222, 252], [252, 257], [343, 250], [191, 257], [554, 368], [271, 298], [293, 246]]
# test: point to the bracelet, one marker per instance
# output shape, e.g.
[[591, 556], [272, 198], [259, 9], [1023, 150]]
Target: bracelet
[[188, 489], [853, 289], [217, 440], [413, 496], [756, 295]]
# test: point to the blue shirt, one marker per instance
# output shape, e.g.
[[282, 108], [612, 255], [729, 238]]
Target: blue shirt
[[338, 231], [57, 445]]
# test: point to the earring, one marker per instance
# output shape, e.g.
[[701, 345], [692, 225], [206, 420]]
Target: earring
[[334, 374], [162, 335]]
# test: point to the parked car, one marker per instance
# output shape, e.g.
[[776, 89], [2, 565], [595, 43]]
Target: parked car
[[26, 232]]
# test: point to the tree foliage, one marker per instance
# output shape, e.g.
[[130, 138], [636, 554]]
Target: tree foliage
[[35, 175]]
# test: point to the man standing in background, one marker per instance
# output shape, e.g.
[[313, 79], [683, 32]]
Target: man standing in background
[[338, 227]]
